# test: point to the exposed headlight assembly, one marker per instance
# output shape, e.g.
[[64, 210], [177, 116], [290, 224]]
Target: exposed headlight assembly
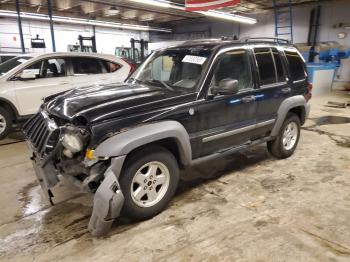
[[72, 143]]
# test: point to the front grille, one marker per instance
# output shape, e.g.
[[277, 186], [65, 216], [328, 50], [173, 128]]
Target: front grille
[[38, 131]]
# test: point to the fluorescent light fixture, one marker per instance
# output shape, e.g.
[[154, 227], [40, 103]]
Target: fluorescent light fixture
[[159, 3], [79, 21], [227, 16], [211, 13]]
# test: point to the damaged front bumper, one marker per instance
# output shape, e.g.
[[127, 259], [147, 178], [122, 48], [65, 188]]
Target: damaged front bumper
[[43, 140], [108, 198], [108, 202]]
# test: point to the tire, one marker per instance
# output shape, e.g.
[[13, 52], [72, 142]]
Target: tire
[[281, 148], [145, 198], [6, 120]]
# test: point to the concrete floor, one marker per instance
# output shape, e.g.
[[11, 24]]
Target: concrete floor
[[245, 207]]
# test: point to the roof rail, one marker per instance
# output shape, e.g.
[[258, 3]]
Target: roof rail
[[272, 39]]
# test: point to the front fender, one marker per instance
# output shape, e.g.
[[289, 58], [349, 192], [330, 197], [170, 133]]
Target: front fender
[[123, 143]]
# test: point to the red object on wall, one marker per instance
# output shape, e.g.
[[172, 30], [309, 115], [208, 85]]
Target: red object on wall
[[14, 38], [205, 5]]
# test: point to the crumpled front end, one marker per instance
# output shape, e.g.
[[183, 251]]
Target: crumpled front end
[[60, 151]]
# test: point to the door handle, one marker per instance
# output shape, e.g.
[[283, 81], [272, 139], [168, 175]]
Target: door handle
[[248, 99], [286, 90]]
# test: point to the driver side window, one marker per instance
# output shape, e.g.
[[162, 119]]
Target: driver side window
[[233, 65], [47, 68]]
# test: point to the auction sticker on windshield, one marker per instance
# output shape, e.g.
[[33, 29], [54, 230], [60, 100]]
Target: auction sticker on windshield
[[193, 59]]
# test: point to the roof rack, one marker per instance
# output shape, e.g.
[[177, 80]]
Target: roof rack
[[272, 39]]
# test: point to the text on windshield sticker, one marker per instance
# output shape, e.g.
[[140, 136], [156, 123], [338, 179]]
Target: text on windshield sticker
[[199, 60]]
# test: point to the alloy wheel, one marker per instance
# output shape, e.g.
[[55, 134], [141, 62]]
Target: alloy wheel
[[290, 136], [2, 124], [150, 183]]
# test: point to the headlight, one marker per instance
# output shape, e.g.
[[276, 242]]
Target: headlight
[[72, 142]]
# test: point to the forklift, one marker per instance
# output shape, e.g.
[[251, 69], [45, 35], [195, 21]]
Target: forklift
[[82, 46], [133, 54]]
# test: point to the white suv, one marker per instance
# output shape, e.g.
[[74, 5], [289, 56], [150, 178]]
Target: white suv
[[26, 79]]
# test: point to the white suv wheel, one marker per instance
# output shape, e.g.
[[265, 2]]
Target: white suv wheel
[[3, 124]]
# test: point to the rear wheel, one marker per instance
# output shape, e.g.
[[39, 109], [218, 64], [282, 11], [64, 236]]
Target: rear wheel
[[6, 120], [148, 182], [287, 140]]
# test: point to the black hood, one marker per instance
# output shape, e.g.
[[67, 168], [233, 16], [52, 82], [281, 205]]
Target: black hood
[[101, 102]]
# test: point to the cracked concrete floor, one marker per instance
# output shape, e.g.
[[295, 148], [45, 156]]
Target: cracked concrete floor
[[244, 207]]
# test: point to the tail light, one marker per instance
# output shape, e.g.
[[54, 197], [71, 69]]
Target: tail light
[[308, 95], [132, 65]]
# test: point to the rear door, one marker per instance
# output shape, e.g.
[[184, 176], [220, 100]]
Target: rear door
[[90, 70], [273, 86], [86, 71]]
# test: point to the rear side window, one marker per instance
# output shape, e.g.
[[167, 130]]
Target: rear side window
[[266, 66], [279, 68], [110, 67], [86, 66], [296, 66]]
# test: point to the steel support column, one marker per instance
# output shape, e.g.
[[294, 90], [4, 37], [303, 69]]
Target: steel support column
[[94, 48], [49, 8], [20, 27]]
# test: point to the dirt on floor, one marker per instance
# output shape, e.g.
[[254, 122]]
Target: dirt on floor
[[244, 207]]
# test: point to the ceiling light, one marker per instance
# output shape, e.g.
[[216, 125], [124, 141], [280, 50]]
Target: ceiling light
[[159, 3], [111, 12], [211, 13], [79, 21], [227, 16]]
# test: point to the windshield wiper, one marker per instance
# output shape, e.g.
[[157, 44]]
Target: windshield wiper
[[162, 82]]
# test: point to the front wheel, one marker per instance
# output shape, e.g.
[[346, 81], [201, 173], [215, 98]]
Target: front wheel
[[287, 140], [6, 120], [148, 182]]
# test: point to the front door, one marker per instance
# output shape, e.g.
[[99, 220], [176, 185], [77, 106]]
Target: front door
[[50, 78], [226, 120]]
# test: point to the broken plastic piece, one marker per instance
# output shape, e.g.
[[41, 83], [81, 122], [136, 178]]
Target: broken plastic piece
[[108, 202]]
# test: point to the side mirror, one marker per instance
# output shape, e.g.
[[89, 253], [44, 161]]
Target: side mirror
[[227, 86], [28, 74]]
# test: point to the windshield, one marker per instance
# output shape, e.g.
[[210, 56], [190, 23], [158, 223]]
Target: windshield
[[12, 63], [177, 68]]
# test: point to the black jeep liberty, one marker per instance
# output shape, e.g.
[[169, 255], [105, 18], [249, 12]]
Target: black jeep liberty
[[125, 143]]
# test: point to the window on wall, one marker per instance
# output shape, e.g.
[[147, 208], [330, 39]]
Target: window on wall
[[279, 67], [296, 66], [266, 66], [233, 65]]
